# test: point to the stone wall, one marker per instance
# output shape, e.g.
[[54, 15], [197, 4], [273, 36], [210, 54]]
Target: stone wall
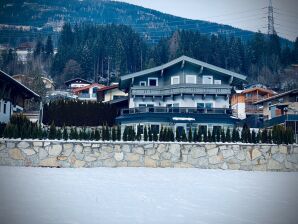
[[145, 154]]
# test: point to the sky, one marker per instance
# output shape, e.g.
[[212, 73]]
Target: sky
[[245, 14]]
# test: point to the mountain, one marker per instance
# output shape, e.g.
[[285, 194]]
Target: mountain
[[47, 17]]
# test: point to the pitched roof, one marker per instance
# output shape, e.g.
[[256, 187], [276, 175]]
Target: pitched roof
[[108, 88], [28, 93], [293, 91], [76, 79], [235, 75], [88, 87]]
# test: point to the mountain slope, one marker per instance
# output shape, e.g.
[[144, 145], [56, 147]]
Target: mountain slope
[[153, 25]]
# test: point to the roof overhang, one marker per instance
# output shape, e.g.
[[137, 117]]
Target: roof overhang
[[24, 90], [235, 78]]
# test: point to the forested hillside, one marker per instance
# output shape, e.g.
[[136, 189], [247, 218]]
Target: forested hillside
[[47, 17], [95, 51]]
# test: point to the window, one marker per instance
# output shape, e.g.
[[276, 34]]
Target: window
[[142, 105], [207, 79], [142, 83], [217, 82], [152, 81], [191, 79], [4, 108], [200, 105], [208, 105], [175, 80]]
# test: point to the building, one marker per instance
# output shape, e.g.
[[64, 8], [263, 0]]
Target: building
[[110, 93], [13, 96], [242, 103], [281, 109], [88, 92], [77, 83], [48, 83], [182, 93]]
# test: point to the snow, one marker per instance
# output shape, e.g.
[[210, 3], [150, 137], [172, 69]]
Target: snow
[[140, 195], [183, 119]]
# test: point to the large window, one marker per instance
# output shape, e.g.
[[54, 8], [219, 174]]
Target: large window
[[175, 80], [191, 79], [208, 105], [207, 79], [152, 81]]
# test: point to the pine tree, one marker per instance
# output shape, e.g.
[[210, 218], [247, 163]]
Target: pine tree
[[108, 133], [235, 135], [114, 136], [264, 137], [97, 134], [118, 133], [178, 137], [125, 134], [49, 49], [52, 132], [161, 134], [195, 136], [253, 137], [150, 134], [65, 133], [269, 137], [58, 134], [228, 135], [155, 136], [145, 134], [139, 131], [222, 135], [259, 136], [218, 135], [213, 135], [183, 136], [190, 137]]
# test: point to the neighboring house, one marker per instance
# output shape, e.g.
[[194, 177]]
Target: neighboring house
[[48, 83], [281, 109], [184, 93], [110, 93], [88, 92], [13, 95], [77, 83], [242, 101]]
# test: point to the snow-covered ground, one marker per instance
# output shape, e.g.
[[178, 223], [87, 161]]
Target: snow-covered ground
[[140, 195]]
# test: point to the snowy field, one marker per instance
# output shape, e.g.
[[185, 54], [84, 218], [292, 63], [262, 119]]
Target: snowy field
[[140, 195]]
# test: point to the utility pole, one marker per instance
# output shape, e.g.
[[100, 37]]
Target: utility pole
[[271, 30]]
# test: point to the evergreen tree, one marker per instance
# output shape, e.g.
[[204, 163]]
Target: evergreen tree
[[161, 134], [150, 134], [195, 136], [269, 137], [183, 136], [235, 135], [213, 135], [228, 135], [118, 133], [108, 133], [145, 134], [190, 136], [178, 137], [264, 137], [155, 136], [125, 134], [218, 134], [259, 136], [222, 135], [58, 134], [49, 49], [209, 137], [114, 136], [97, 134], [52, 132], [139, 133], [253, 137], [65, 133]]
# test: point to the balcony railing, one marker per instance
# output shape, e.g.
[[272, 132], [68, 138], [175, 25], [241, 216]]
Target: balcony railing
[[179, 110], [181, 89], [280, 120]]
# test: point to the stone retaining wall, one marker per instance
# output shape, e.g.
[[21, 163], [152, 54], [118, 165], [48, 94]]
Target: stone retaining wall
[[145, 154]]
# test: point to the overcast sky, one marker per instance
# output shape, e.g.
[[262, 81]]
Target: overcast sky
[[246, 14]]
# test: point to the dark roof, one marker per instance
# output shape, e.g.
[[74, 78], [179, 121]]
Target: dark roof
[[238, 78], [293, 91], [17, 86], [76, 80]]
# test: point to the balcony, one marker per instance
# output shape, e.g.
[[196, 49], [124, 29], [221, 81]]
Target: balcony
[[173, 110], [196, 89], [280, 120]]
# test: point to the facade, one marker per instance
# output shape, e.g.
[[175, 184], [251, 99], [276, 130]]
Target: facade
[[110, 93], [184, 93], [281, 109], [77, 83], [88, 92], [13, 96], [242, 100]]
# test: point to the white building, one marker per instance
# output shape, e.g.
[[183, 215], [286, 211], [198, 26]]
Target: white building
[[184, 93]]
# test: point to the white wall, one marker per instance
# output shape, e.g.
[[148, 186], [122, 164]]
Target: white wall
[[4, 117], [239, 110]]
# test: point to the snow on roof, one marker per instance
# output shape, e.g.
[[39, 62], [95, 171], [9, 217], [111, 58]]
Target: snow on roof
[[183, 119]]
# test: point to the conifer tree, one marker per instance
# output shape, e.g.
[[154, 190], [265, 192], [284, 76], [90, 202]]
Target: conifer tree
[[209, 137], [218, 135], [259, 136], [145, 134], [228, 135], [52, 132], [114, 136], [65, 133], [222, 135], [269, 137], [183, 136], [150, 134], [161, 134], [125, 134], [155, 136], [190, 136], [195, 135], [172, 136], [118, 133], [213, 135], [253, 137], [96, 134], [139, 131], [264, 137], [58, 134], [178, 137], [108, 133]]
